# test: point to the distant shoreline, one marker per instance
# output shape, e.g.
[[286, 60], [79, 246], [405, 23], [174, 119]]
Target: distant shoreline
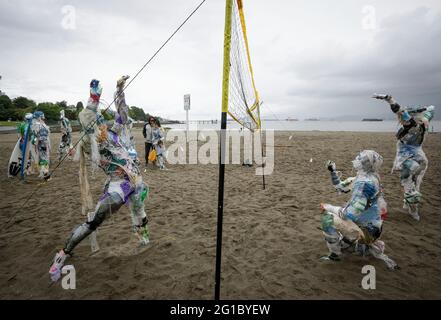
[[384, 126]]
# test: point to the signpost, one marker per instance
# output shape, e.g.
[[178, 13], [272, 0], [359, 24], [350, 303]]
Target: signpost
[[187, 108]]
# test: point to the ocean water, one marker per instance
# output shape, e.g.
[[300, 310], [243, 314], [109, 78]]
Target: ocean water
[[358, 126]]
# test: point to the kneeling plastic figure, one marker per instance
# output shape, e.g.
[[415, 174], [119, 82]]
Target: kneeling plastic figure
[[358, 225]]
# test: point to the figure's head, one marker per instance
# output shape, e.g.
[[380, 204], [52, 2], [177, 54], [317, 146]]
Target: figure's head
[[39, 115], [122, 81], [422, 114], [151, 120], [61, 114], [429, 113], [29, 116], [94, 83], [95, 93], [367, 161]]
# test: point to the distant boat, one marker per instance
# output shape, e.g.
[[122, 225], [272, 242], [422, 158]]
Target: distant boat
[[290, 119], [312, 119], [371, 119]]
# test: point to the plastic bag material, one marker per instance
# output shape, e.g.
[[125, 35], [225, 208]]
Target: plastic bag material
[[152, 155]]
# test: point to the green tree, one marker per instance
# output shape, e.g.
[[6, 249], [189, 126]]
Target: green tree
[[5, 107], [137, 114], [19, 114], [21, 106], [51, 111], [71, 113], [24, 103], [62, 104], [79, 107]]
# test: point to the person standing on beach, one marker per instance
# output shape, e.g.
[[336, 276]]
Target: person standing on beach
[[410, 159], [147, 133], [124, 185], [358, 225], [158, 143]]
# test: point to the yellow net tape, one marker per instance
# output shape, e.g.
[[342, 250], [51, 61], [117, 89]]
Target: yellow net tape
[[243, 98]]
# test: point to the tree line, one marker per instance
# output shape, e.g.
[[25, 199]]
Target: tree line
[[15, 110]]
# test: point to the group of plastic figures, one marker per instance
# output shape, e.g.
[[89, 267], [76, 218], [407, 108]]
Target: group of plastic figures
[[354, 227], [35, 140], [357, 226]]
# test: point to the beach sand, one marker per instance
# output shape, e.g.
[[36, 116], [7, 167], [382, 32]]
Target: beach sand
[[271, 243]]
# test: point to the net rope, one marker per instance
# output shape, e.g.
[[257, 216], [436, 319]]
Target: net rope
[[243, 99]]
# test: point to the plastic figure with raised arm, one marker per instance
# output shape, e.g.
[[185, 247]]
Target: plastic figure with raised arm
[[410, 159], [124, 185]]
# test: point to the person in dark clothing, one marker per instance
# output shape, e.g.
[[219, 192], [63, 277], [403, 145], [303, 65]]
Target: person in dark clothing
[[147, 133]]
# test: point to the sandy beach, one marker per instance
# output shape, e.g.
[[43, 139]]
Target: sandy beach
[[271, 239]]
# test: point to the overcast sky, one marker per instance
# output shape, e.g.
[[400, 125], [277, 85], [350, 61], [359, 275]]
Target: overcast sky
[[310, 58]]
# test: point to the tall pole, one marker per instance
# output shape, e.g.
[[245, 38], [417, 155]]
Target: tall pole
[[188, 125], [225, 92], [261, 148], [187, 108]]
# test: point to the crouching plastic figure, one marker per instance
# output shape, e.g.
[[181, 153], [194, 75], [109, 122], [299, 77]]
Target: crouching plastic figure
[[358, 225]]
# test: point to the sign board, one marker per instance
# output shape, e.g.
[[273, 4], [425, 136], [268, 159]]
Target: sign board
[[187, 102]]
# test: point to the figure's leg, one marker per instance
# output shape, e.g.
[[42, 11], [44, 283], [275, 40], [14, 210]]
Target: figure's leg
[[339, 233], [332, 237], [62, 146], [377, 250], [70, 149], [44, 159], [161, 162], [60, 149], [148, 147], [419, 175], [137, 211], [86, 197], [109, 203], [29, 170], [412, 196], [146, 156]]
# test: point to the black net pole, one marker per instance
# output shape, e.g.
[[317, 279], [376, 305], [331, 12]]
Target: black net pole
[[220, 206]]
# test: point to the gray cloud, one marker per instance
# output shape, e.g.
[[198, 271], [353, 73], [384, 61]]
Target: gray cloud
[[404, 59], [311, 59]]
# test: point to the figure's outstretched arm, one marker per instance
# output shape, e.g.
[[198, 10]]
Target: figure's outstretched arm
[[402, 114], [340, 186], [394, 106]]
